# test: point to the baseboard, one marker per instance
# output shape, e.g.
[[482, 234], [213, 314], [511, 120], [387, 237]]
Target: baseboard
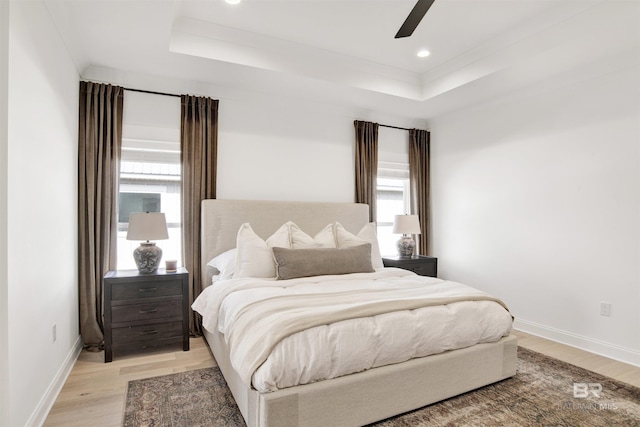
[[39, 415], [612, 351]]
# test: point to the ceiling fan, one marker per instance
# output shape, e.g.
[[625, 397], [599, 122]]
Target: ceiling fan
[[414, 18]]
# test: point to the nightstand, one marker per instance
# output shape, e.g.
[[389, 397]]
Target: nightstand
[[145, 311], [419, 264]]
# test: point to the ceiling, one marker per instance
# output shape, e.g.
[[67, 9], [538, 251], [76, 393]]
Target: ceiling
[[345, 51]]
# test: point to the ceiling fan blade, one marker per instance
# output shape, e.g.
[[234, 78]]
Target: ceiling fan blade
[[414, 18]]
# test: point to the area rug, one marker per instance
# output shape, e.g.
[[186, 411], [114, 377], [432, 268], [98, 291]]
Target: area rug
[[544, 392]]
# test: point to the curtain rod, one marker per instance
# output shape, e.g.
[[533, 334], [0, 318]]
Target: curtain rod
[[152, 92], [392, 127], [397, 127]]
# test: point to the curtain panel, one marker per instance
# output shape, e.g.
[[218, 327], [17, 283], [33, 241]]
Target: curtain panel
[[419, 141], [99, 149], [366, 164], [199, 154]]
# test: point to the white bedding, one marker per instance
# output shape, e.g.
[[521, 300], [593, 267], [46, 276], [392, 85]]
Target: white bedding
[[335, 348]]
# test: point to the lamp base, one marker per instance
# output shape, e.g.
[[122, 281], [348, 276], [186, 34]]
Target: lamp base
[[406, 246], [147, 257]]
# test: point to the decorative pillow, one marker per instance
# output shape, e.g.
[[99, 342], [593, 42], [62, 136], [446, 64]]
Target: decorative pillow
[[225, 264], [293, 263], [254, 256], [301, 240], [344, 239]]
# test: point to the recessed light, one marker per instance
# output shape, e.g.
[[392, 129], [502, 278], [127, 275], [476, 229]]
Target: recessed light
[[232, 1], [423, 53]]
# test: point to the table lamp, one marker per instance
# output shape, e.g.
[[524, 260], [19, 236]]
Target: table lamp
[[406, 225], [147, 226]]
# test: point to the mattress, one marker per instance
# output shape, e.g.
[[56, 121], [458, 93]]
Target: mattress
[[392, 316]]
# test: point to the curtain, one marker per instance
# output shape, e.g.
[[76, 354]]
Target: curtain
[[366, 166], [419, 183], [199, 152], [99, 147]]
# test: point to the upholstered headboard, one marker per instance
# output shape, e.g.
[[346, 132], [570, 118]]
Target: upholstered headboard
[[221, 220]]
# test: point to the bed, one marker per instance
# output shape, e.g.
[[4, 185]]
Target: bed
[[346, 400]]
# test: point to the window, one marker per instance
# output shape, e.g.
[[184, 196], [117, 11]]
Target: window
[[393, 185], [137, 202], [392, 199], [150, 171]]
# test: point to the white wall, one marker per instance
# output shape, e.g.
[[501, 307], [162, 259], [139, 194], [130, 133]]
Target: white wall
[[279, 150], [4, 304], [536, 199], [42, 214]]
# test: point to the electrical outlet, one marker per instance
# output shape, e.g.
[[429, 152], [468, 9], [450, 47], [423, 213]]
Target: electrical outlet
[[54, 333], [605, 309]]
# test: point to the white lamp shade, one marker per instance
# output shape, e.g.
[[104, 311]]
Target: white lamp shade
[[147, 226], [406, 224]]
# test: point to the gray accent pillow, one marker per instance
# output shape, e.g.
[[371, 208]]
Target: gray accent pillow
[[293, 263]]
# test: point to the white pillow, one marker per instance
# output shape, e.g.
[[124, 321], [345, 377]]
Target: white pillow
[[225, 263], [345, 239], [301, 240], [254, 257]]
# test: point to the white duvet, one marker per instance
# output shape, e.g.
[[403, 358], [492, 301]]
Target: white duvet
[[289, 332]]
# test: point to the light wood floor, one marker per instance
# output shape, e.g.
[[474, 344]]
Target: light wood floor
[[94, 394], [611, 368]]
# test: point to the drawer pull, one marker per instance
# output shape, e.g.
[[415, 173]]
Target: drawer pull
[[147, 289], [151, 332], [153, 310]]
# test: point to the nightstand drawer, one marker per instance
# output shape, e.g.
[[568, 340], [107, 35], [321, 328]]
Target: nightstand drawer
[[134, 290], [423, 269], [146, 311], [153, 331], [419, 264], [134, 347]]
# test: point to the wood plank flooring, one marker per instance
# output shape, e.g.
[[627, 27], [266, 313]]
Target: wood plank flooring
[[593, 362], [94, 393]]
